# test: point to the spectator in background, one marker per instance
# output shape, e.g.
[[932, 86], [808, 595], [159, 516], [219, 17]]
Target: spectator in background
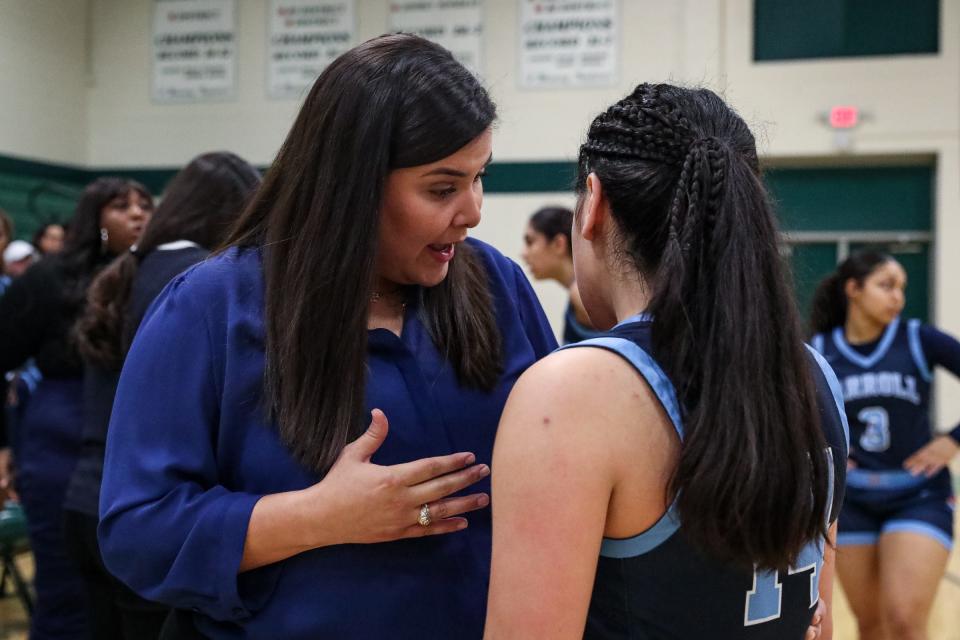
[[49, 238], [36, 314], [199, 206], [547, 251], [6, 236], [17, 258]]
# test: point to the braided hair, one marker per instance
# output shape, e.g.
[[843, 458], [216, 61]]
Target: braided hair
[[679, 169]]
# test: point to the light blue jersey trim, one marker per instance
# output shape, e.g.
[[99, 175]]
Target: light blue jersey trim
[[817, 343], [894, 479], [916, 349], [854, 538], [920, 527], [643, 316], [866, 361], [646, 366], [835, 390], [644, 542]]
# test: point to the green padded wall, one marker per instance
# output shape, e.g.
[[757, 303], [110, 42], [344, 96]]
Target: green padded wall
[[804, 29], [856, 199], [875, 198]]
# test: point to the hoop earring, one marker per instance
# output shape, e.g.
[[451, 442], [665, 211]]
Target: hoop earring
[[104, 239]]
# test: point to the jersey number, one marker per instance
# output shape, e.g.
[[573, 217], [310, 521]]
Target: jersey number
[[764, 600], [876, 437]]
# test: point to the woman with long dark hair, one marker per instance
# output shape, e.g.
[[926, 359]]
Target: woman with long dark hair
[[677, 476], [548, 252], [36, 314], [241, 482], [896, 527], [199, 206]]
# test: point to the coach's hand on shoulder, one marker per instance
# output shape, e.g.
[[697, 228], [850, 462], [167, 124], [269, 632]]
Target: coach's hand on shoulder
[[374, 503], [933, 457]]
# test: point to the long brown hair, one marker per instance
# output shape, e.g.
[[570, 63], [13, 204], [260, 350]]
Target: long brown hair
[[393, 102]]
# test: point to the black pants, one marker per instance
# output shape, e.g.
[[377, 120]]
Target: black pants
[[115, 612]]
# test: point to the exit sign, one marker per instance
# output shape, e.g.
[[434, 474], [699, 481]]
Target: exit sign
[[844, 117]]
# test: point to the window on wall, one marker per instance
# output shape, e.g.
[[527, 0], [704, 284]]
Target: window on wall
[[793, 30]]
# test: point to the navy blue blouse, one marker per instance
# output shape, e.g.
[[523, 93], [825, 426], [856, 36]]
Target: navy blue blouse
[[189, 454]]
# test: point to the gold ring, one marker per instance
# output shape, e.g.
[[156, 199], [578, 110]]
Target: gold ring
[[424, 519]]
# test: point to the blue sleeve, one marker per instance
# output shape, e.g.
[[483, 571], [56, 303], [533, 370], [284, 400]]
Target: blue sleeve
[[836, 394], [943, 350], [531, 313], [168, 528], [940, 349]]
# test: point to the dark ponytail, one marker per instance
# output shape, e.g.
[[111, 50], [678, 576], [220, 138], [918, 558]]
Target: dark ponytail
[[680, 171], [829, 306]]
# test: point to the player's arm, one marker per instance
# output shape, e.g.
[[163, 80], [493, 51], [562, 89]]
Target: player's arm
[[554, 471], [826, 584], [551, 486], [940, 349]]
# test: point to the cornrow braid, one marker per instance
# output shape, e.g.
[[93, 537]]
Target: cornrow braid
[[641, 126], [679, 171]]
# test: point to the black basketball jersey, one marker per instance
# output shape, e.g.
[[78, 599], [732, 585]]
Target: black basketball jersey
[[886, 393], [657, 586]]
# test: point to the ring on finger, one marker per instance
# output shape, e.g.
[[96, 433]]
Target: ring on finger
[[424, 520]]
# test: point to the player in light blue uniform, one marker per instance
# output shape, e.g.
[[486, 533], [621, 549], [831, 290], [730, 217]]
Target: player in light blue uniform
[[676, 477], [896, 526]]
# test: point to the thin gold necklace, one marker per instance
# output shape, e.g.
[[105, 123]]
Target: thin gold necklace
[[377, 296]]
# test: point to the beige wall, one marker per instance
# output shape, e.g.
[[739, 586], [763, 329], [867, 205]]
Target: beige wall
[[661, 40], [43, 70]]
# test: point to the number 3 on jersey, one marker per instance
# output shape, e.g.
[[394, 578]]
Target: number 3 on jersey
[[876, 436]]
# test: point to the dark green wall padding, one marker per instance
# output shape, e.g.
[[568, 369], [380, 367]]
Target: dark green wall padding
[[823, 199], [809, 29], [36, 192], [857, 198]]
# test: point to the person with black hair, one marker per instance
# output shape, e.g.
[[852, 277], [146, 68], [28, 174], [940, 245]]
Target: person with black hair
[[677, 476], [241, 484], [36, 314], [549, 255], [896, 527], [199, 206], [48, 238]]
